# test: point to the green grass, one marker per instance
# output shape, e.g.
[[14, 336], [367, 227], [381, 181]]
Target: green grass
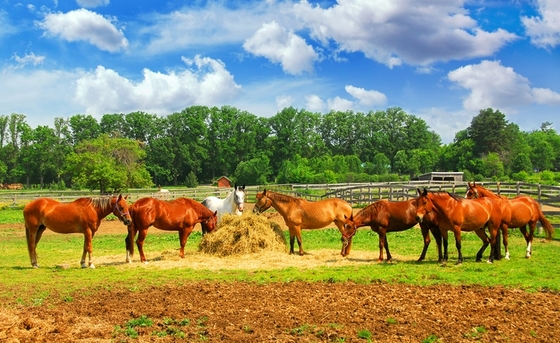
[[23, 285]]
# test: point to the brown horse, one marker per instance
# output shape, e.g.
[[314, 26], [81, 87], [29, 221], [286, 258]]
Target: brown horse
[[300, 214], [181, 215], [387, 216], [457, 214], [517, 212], [80, 216]]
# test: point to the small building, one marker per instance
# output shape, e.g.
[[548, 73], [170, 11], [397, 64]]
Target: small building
[[441, 176], [224, 182]]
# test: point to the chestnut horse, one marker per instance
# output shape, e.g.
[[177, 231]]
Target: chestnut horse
[[392, 216], [181, 215], [517, 212], [300, 214], [83, 215], [458, 214]]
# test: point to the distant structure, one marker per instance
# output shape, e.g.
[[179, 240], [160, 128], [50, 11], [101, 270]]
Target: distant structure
[[441, 176], [224, 182]]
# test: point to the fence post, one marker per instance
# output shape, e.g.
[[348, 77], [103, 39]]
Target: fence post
[[498, 188], [540, 191]]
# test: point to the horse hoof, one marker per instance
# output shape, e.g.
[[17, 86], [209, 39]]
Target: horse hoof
[[490, 262], [92, 266], [84, 265], [34, 266]]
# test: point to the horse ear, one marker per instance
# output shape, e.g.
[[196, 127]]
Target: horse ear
[[264, 191], [119, 197], [243, 188], [216, 213], [425, 191]]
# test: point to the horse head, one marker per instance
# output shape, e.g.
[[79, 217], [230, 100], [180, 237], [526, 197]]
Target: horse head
[[263, 202], [210, 224], [423, 205], [472, 191], [349, 228], [120, 210], [239, 198]]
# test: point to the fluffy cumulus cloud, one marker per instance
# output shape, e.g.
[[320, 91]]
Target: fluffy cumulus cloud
[[544, 30], [339, 104], [365, 97], [314, 103], [206, 82], [284, 101], [492, 85], [92, 3], [284, 47], [84, 25], [409, 31]]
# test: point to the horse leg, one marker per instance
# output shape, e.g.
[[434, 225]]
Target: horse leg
[[529, 237], [292, 239], [505, 240], [140, 244], [32, 239], [183, 236], [129, 241], [299, 241], [445, 242], [426, 235], [485, 241], [386, 243], [457, 233], [88, 236]]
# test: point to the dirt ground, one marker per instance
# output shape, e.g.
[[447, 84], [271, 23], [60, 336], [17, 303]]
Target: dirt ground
[[288, 312]]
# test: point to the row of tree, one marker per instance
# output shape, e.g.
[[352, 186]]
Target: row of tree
[[200, 144]]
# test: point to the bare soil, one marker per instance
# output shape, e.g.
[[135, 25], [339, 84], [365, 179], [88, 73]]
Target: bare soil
[[287, 312]]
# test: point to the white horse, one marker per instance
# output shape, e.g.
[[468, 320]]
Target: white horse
[[233, 203]]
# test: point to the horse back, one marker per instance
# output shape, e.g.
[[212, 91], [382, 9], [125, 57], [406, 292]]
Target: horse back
[[60, 217]]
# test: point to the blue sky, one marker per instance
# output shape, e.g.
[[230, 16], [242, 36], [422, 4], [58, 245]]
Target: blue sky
[[440, 60]]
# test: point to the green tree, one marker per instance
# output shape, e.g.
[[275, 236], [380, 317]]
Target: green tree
[[255, 171], [83, 127], [191, 181], [108, 164]]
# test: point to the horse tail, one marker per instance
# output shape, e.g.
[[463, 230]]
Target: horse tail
[[546, 225], [129, 240]]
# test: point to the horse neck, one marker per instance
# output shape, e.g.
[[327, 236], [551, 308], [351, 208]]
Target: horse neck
[[487, 193], [103, 206], [229, 201], [367, 215], [280, 202]]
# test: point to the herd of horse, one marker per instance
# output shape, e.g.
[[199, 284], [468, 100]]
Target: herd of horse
[[435, 212]]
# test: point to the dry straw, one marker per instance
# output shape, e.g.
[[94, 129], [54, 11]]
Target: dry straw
[[246, 234]]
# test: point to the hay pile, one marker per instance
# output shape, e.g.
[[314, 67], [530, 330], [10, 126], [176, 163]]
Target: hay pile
[[246, 234]]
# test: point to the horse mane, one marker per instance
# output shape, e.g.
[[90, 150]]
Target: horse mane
[[280, 197], [452, 195], [102, 202]]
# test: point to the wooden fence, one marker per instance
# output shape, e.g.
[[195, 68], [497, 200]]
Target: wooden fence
[[357, 194]]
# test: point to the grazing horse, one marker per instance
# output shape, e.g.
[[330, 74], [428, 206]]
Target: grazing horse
[[457, 214], [181, 215], [83, 215], [233, 203], [517, 212], [387, 216], [300, 214]]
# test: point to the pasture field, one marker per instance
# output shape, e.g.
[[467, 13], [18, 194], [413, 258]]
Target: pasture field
[[509, 287]]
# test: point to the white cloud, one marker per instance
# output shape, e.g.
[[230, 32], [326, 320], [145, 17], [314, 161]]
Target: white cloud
[[92, 3], [493, 85], [210, 25], [339, 104], [207, 83], [29, 59], [284, 101], [313, 103], [280, 46], [38, 94], [409, 31], [544, 30], [365, 97], [84, 25]]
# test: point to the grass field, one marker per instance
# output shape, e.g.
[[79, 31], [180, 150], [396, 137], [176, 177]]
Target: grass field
[[60, 274]]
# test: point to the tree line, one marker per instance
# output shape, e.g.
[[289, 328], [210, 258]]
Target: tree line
[[199, 144]]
